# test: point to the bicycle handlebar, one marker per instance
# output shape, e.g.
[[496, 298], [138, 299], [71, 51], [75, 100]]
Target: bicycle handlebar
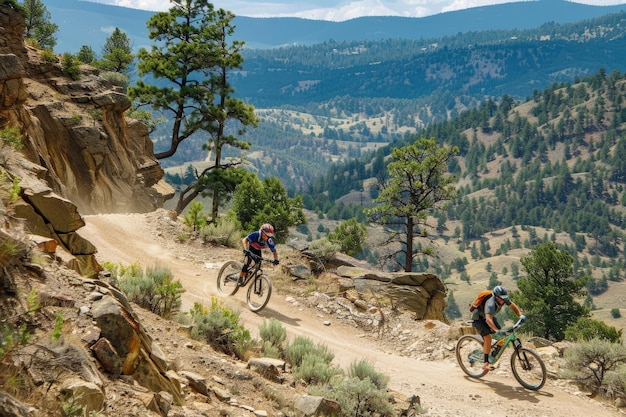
[[258, 258], [516, 326]]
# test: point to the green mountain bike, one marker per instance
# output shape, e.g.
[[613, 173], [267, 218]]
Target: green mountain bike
[[526, 365], [258, 293]]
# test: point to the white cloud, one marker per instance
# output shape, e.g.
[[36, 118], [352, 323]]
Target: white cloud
[[336, 10]]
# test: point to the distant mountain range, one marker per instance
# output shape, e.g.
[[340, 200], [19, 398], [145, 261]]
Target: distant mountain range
[[86, 23]]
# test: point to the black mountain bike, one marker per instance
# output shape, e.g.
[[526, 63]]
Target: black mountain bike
[[258, 293], [526, 365]]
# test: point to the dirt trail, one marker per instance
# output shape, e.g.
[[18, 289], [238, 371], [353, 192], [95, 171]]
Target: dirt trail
[[442, 386]]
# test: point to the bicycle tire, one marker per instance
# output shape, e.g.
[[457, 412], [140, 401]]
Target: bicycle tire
[[469, 355], [259, 293], [528, 368], [228, 278]]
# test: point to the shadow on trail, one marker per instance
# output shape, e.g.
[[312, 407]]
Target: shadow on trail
[[511, 391], [270, 313]]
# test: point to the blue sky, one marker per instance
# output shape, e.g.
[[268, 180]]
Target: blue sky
[[336, 10]]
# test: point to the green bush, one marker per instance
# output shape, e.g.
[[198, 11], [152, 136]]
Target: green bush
[[219, 327], [71, 66], [224, 232], [116, 78], [615, 313], [12, 137], [586, 328], [302, 346], [14, 5], [591, 361], [324, 249], [356, 397], [364, 370], [315, 369], [156, 291], [274, 333], [48, 56]]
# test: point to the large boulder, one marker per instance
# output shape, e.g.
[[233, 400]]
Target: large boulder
[[422, 294]]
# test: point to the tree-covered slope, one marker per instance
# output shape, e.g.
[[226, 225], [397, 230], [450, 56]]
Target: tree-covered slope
[[556, 161]]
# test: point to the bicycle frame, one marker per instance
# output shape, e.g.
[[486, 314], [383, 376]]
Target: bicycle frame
[[255, 269], [510, 338]]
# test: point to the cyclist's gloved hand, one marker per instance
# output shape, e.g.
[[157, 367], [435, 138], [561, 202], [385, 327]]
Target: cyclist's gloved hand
[[500, 333], [522, 318], [247, 252], [276, 262]]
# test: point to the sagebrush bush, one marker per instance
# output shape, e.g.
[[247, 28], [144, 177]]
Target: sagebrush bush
[[324, 249], [362, 369], [156, 290], [356, 397], [139, 289], [274, 333], [116, 78], [224, 232], [590, 361], [315, 369], [219, 327], [302, 346]]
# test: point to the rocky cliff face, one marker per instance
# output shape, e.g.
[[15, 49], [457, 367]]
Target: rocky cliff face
[[76, 130], [80, 154]]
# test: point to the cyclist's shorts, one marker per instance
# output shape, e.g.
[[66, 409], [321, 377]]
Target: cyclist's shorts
[[482, 327]]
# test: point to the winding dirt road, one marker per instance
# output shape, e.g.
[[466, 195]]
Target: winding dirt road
[[442, 386]]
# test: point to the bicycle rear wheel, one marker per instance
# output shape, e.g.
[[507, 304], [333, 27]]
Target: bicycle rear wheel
[[469, 355], [228, 277], [528, 368], [259, 293]]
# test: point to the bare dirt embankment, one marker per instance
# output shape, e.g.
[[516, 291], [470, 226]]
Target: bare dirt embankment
[[443, 388]]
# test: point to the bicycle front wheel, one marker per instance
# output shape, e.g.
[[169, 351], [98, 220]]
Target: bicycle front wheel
[[259, 293], [227, 279], [528, 368], [469, 355]]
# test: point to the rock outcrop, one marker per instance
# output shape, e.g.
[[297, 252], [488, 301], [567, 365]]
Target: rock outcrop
[[76, 130], [79, 153]]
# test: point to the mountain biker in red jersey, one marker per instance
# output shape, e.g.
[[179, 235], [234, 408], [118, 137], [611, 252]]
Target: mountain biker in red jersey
[[254, 243], [485, 322]]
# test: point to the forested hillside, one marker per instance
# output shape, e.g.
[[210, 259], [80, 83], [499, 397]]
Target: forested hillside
[[555, 162], [332, 102]]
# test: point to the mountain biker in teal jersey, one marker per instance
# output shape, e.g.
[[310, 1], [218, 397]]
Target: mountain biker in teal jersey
[[485, 322], [254, 243]]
